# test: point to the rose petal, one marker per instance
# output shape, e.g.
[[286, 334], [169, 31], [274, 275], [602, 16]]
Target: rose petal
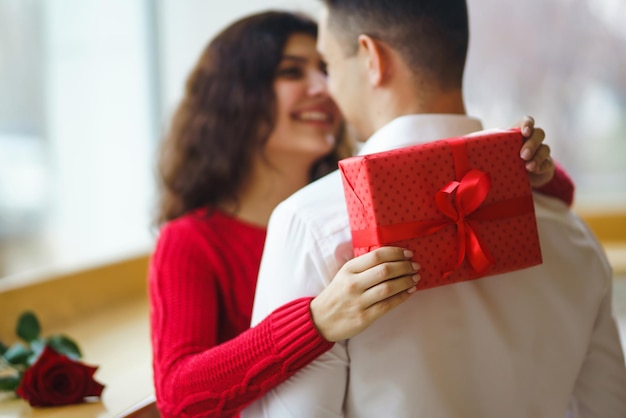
[[55, 379]]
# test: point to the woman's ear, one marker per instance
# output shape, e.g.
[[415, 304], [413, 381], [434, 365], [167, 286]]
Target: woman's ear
[[374, 56]]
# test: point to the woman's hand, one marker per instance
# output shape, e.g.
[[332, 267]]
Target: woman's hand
[[539, 164], [363, 290]]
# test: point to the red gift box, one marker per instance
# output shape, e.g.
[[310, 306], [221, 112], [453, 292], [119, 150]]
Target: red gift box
[[462, 205]]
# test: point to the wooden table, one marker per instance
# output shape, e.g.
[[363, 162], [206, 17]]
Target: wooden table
[[116, 340]]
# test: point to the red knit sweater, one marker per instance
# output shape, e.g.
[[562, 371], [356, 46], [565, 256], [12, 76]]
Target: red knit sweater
[[202, 279]]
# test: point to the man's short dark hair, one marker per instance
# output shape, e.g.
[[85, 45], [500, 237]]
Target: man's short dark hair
[[431, 35]]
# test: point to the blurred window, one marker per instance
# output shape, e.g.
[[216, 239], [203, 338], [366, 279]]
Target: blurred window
[[77, 131], [563, 62]]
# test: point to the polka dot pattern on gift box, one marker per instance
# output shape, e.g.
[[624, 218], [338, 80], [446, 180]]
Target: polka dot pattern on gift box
[[399, 186]]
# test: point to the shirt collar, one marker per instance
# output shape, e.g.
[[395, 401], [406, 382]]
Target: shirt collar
[[418, 129]]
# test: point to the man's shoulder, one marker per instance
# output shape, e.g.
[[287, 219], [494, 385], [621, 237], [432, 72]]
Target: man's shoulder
[[315, 199], [560, 226], [551, 210], [318, 209]]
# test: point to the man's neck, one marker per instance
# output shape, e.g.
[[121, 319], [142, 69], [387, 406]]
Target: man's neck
[[450, 103], [402, 103]]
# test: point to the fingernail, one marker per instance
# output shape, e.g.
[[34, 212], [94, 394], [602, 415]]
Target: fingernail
[[531, 166], [526, 154], [412, 290], [526, 131], [408, 254], [415, 266], [416, 278]]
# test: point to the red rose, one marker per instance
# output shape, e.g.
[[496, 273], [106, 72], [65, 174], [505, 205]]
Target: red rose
[[55, 379]]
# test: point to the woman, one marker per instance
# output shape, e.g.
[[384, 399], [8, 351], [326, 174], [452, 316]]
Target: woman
[[255, 125]]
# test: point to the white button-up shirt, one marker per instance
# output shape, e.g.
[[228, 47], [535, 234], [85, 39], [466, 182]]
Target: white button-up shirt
[[539, 342]]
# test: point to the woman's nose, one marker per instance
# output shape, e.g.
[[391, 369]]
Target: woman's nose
[[318, 84]]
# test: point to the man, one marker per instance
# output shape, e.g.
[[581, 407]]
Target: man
[[539, 342]]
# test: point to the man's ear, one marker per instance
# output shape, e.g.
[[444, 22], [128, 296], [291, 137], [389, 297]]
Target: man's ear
[[375, 57]]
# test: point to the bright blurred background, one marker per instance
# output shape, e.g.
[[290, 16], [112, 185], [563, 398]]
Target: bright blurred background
[[88, 86]]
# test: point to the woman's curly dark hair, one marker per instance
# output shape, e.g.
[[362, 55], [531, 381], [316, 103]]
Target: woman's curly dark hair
[[227, 114]]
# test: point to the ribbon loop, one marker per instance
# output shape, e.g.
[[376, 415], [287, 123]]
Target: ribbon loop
[[469, 194], [473, 190], [444, 198]]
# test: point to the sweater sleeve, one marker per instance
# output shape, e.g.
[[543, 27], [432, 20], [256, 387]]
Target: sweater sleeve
[[561, 186], [194, 375]]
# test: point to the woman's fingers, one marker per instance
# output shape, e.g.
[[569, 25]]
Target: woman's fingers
[[378, 256], [380, 265], [547, 165], [385, 271], [533, 144], [379, 309], [365, 288], [536, 164], [382, 291]]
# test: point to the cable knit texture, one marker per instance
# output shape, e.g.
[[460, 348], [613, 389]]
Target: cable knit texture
[[202, 281]]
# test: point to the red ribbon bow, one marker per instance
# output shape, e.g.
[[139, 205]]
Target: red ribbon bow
[[457, 200]]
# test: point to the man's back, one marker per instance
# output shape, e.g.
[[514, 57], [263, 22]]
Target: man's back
[[514, 345]]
